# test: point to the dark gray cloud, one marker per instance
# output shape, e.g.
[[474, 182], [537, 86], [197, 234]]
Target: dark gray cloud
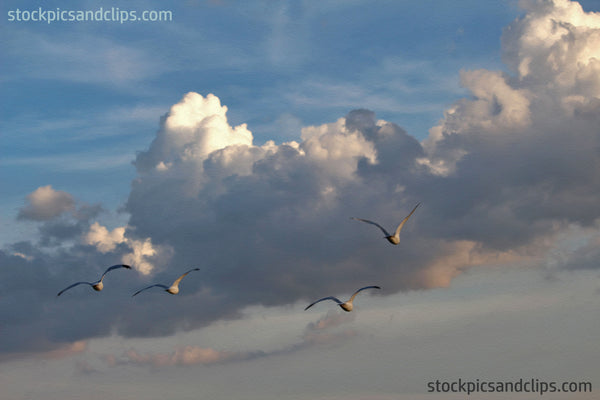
[[34, 319], [65, 228]]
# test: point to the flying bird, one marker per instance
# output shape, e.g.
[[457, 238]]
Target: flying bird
[[98, 285], [173, 289], [395, 238], [347, 306]]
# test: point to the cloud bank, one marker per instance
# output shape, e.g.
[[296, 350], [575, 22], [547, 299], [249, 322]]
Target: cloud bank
[[502, 175], [325, 331]]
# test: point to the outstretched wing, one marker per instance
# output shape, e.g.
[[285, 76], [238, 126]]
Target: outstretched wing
[[399, 228], [373, 223], [176, 283], [324, 298], [73, 285], [151, 286], [363, 288], [115, 267]]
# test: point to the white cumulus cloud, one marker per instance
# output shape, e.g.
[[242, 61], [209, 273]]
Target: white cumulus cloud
[[103, 239], [498, 178], [106, 241]]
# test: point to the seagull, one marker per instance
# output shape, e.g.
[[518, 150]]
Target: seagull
[[395, 238], [347, 306], [173, 289], [97, 286]]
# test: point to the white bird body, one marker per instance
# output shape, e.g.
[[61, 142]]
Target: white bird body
[[173, 289], [98, 285], [346, 306], [395, 238]]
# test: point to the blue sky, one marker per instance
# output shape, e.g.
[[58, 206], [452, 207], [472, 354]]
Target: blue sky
[[96, 91], [240, 137]]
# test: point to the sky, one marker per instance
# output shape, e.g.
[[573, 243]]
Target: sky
[[240, 138]]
